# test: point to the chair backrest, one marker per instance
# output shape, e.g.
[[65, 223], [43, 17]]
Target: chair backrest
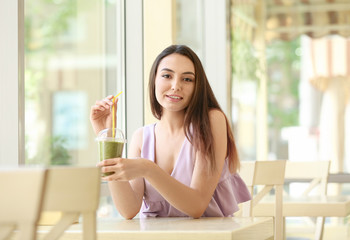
[[21, 192], [317, 171], [269, 174], [73, 191]]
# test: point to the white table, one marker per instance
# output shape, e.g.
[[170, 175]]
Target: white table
[[330, 206], [177, 228], [332, 178]]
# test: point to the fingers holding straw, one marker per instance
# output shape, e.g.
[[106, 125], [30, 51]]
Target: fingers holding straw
[[117, 95]]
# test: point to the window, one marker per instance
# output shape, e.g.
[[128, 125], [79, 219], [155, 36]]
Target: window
[[72, 58], [86, 60], [290, 80]]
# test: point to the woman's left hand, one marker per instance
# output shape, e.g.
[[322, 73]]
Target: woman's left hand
[[124, 169]]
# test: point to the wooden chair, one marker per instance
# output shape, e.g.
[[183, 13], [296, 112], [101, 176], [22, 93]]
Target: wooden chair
[[270, 175], [21, 195], [317, 172], [73, 191]]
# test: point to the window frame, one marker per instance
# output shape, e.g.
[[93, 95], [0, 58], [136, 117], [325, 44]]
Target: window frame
[[12, 145], [11, 78]]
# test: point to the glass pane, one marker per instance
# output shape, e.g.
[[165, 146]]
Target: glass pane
[[307, 88], [245, 85], [72, 58], [283, 61], [189, 25]]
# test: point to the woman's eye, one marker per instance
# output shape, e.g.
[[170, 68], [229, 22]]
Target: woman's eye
[[188, 80], [166, 76]]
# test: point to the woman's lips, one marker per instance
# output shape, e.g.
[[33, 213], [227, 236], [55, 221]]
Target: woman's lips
[[175, 98]]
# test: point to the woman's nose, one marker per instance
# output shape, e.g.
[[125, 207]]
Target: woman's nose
[[176, 85]]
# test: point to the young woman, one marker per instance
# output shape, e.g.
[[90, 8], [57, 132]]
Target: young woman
[[186, 163]]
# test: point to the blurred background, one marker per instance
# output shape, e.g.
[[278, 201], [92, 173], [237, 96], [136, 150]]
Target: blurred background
[[286, 81], [279, 68]]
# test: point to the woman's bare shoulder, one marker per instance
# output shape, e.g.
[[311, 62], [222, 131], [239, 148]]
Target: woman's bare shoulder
[[138, 132], [136, 143], [216, 116], [138, 135]]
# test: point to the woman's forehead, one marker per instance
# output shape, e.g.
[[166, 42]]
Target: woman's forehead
[[176, 62]]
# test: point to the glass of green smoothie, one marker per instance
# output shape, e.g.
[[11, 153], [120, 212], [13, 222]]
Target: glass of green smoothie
[[110, 145]]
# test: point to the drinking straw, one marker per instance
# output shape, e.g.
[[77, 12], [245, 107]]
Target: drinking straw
[[113, 114]]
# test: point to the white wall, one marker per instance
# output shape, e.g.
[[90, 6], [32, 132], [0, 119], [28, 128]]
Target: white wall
[[215, 49], [134, 66], [9, 84]]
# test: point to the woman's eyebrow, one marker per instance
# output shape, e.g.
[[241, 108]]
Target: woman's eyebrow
[[189, 73], [169, 70]]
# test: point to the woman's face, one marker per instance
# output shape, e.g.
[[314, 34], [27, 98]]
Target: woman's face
[[175, 82]]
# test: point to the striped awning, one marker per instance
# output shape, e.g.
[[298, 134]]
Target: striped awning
[[315, 18], [288, 19]]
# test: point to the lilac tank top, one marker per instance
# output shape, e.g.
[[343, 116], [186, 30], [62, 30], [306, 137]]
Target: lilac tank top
[[230, 191]]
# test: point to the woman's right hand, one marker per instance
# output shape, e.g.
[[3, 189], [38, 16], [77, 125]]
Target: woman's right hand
[[101, 114]]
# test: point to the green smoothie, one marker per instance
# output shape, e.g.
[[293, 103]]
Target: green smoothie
[[110, 149]]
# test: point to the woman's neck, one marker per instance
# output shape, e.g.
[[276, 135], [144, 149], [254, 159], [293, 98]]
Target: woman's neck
[[172, 122]]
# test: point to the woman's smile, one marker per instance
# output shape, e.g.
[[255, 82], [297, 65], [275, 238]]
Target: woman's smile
[[174, 98]]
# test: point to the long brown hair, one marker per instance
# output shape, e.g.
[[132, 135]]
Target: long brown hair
[[196, 124]]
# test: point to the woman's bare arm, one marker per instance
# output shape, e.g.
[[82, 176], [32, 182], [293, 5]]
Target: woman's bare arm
[[127, 195], [193, 200]]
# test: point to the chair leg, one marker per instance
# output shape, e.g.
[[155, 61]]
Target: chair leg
[[284, 229], [89, 226], [66, 220], [279, 213], [319, 228], [348, 229], [246, 210], [27, 231]]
